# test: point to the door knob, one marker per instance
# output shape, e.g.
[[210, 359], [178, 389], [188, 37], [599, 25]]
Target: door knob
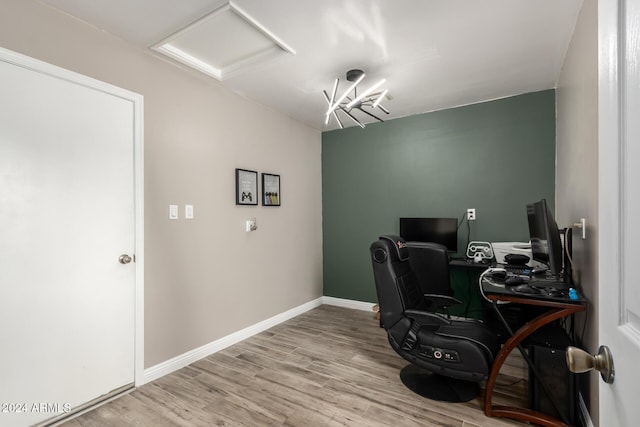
[[125, 259], [580, 361]]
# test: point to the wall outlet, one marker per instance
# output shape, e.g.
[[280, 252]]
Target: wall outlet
[[582, 225], [251, 225], [471, 214]]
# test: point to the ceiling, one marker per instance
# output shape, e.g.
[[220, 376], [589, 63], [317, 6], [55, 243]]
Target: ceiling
[[434, 54]]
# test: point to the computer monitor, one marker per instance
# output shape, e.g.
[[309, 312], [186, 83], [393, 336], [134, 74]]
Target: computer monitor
[[436, 230], [546, 246]]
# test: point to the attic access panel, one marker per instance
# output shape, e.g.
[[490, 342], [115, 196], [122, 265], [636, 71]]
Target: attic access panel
[[223, 43]]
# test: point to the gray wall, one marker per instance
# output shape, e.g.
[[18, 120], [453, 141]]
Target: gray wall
[[495, 157], [205, 278], [577, 171]]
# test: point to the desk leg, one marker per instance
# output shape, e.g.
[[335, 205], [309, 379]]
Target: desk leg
[[516, 339]]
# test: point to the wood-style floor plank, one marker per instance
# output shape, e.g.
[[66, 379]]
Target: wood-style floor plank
[[330, 366]]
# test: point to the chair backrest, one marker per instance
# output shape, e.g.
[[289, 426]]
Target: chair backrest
[[430, 264], [396, 284]]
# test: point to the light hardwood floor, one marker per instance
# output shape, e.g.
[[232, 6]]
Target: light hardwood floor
[[330, 366]]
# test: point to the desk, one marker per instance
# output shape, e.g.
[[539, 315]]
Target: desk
[[466, 263], [558, 309]]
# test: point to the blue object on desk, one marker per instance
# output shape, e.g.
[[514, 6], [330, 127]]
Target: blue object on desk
[[573, 294]]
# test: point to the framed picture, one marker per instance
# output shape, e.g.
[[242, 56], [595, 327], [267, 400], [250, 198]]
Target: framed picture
[[270, 189], [246, 187]]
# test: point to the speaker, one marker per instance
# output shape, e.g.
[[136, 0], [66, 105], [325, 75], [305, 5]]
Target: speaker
[[551, 364]]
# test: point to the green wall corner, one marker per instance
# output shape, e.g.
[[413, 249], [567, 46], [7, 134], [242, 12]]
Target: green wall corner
[[495, 156]]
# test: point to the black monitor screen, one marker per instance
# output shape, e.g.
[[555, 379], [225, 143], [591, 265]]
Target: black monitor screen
[[546, 246], [436, 230]]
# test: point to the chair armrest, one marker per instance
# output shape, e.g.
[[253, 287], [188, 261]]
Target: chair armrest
[[441, 301], [426, 317]]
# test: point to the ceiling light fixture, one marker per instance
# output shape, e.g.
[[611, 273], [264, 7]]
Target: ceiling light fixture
[[350, 100]]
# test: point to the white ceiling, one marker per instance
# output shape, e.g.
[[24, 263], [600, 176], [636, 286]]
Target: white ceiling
[[435, 54]]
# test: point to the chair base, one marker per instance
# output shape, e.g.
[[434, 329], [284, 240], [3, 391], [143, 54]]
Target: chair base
[[436, 387]]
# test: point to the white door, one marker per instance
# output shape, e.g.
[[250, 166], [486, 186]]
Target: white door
[[67, 305], [619, 207]]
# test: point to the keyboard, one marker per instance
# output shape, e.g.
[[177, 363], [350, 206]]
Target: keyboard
[[535, 291], [549, 284], [518, 269]]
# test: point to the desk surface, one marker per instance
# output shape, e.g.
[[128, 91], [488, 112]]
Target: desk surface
[[496, 290], [468, 263]]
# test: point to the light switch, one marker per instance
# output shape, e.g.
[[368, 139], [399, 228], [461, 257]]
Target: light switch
[[188, 211], [173, 211]]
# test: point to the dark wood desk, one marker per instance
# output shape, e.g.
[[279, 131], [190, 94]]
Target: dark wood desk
[[558, 308], [466, 263]]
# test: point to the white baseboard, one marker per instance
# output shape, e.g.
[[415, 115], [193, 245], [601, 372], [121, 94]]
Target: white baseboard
[[196, 354], [348, 303]]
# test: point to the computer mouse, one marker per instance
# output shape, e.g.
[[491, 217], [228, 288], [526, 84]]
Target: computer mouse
[[514, 281], [555, 293], [526, 289], [538, 270]]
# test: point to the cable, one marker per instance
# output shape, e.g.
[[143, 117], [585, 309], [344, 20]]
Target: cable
[[515, 382], [462, 218], [480, 285], [574, 279], [492, 283], [574, 272], [584, 325]]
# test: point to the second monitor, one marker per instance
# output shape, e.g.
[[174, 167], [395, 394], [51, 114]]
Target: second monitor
[[437, 230], [546, 246]]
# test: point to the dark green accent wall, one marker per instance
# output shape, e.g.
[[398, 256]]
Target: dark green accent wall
[[496, 157]]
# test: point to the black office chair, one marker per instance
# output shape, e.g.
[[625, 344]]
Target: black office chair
[[430, 264], [448, 357]]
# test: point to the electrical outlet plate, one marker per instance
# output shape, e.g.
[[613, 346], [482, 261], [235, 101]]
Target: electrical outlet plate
[[471, 214], [251, 225]]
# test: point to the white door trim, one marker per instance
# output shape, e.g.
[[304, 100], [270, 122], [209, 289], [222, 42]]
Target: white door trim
[[137, 102]]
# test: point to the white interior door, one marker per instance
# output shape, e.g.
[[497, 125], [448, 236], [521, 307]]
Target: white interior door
[[619, 205], [67, 305]]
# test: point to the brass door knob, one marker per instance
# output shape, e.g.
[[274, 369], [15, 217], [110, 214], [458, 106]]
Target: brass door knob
[[580, 361]]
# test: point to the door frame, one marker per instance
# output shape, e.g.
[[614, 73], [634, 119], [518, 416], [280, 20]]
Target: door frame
[[137, 101]]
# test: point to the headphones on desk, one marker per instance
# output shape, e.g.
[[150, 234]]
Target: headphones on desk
[[516, 259]]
